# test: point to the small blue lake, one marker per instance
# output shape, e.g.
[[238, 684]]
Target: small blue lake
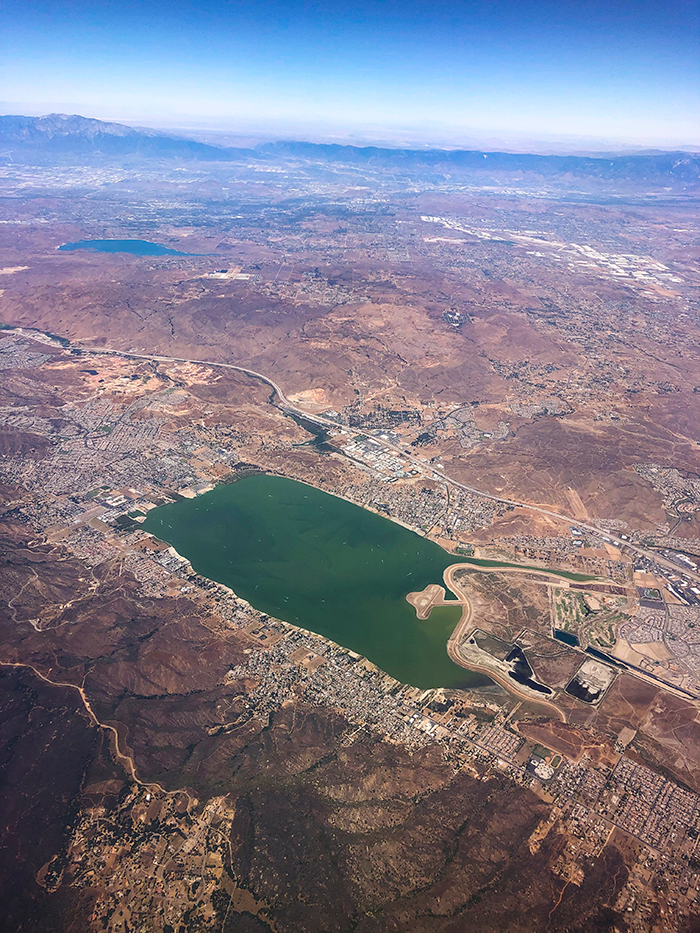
[[135, 247]]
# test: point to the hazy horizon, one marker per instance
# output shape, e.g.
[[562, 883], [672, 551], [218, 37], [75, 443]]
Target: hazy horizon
[[247, 132], [625, 76]]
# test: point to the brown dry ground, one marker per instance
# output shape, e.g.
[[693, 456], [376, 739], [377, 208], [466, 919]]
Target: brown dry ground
[[389, 839], [599, 344], [571, 741], [335, 833], [14, 443], [668, 727], [505, 605], [47, 744], [553, 663], [333, 836]]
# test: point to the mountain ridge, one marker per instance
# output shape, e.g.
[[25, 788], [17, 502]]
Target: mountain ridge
[[68, 136], [59, 134]]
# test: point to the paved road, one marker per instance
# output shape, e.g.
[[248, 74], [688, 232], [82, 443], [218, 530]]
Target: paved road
[[436, 472], [179, 359], [457, 637]]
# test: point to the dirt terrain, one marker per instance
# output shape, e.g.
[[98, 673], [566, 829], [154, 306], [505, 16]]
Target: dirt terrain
[[173, 760], [555, 372], [393, 837]]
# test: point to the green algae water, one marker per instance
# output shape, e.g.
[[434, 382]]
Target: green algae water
[[324, 564]]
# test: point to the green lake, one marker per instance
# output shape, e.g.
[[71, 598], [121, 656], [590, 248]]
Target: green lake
[[135, 247], [317, 561]]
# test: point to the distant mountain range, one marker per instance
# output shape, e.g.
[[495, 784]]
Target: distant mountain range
[[675, 166], [58, 137]]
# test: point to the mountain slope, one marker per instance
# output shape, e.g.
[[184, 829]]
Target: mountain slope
[[62, 136], [674, 167]]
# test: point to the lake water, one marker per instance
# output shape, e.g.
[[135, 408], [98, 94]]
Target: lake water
[[136, 247], [567, 637], [324, 564]]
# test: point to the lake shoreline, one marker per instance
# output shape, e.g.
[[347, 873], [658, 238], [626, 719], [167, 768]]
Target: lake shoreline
[[317, 561]]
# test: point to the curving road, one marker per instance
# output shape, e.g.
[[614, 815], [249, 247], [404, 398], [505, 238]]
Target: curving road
[[437, 472], [121, 756], [457, 638]]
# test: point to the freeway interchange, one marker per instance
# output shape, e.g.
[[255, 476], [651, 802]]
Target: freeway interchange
[[434, 472]]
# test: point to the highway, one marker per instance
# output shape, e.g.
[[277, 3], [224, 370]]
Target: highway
[[435, 472]]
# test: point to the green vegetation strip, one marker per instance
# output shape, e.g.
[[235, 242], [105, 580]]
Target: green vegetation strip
[[504, 565]]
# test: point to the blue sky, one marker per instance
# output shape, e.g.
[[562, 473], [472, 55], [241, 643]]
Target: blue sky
[[619, 70]]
